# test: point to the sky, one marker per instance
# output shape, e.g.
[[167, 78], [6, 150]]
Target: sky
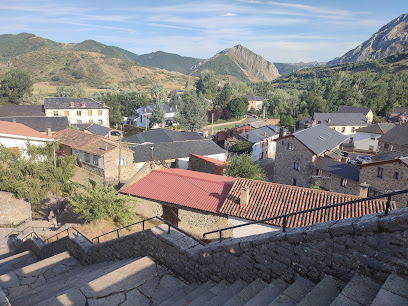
[[280, 31]]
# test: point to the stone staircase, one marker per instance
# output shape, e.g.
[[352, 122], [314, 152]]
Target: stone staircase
[[62, 280]]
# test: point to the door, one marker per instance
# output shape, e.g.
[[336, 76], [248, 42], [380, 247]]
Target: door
[[170, 214]]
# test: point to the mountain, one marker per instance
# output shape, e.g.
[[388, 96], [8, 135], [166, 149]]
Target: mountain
[[389, 40], [239, 63], [129, 54], [168, 61], [285, 68]]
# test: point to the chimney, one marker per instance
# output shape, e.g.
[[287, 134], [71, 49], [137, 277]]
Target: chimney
[[49, 133], [247, 136], [72, 104], [106, 147], [83, 104], [281, 132], [244, 197], [329, 121], [14, 120], [104, 104], [363, 192], [205, 133], [264, 134], [176, 107]]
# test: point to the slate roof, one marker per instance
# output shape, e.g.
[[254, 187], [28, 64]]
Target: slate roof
[[81, 126], [267, 200], [399, 110], [343, 119], [18, 129], [173, 150], [21, 110], [353, 109], [388, 156], [403, 160], [97, 129], [319, 138], [65, 103], [162, 135], [378, 128], [187, 188], [345, 170], [258, 124], [254, 98], [150, 108], [257, 135], [41, 124], [399, 135]]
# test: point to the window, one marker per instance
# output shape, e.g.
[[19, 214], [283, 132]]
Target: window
[[351, 140], [100, 121], [380, 171], [386, 145], [78, 113], [66, 113], [290, 146], [95, 160], [55, 113], [79, 121], [318, 172], [296, 165], [283, 143], [343, 129], [87, 158], [122, 161], [353, 129], [318, 122], [99, 113], [89, 112], [343, 182], [371, 148], [293, 182], [397, 175]]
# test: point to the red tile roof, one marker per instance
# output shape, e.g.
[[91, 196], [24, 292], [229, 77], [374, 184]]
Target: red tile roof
[[209, 159], [267, 200], [13, 128], [192, 189]]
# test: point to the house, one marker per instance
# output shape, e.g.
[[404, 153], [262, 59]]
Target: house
[[162, 135], [366, 138], [398, 115], [262, 140], [190, 200], [387, 176], [345, 123], [251, 200], [366, 111], [22, 111], [93, 128], [142, 118], [99, 155], [254, 102], [296, 153], [206, 164], [78, 110], [16, 135], [45, 125], [394, 140]]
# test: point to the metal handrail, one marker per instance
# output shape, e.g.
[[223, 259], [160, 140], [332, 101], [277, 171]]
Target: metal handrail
[[18, 225], [286, 216], [38, 237], [143, 226], [67, 233]]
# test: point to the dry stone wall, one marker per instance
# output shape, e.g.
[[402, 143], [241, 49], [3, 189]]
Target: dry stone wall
[[372, 245]]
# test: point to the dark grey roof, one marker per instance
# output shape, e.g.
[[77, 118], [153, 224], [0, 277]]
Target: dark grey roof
[[81, 126], [254, 98], [97, 129], [162, 135], [388, 156], [166, 107], [41, 124], [307, 120], [341, 118], [21, 110], [345, 170], [378, 128], [320, 138], [399, 110], [258, 124], [65, 103], [173, 150], [353, 109], [398, 134], [258, 135]]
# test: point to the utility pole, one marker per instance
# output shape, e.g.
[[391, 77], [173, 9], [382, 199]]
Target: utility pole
[[212, 123], [120, 152]]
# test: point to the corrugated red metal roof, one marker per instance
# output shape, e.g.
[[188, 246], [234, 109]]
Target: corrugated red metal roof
[[187, 188], [267, 200]]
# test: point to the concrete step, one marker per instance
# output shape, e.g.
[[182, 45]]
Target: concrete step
[[198, 296], [228, 293], [323, 293], [269, 293], [393, 292], [294, 293], [247, 293], [360, 290], [167, 286], [6, 253], [48, 293], [3, 299], [16, 261], [184, 296], [18, 281]]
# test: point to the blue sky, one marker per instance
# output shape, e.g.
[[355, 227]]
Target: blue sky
[[280, 31]]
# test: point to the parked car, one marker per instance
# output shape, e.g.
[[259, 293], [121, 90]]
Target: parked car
[[115, 133], [363, 159]]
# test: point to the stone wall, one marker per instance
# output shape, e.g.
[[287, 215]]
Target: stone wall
[[201, 165], [333, 183], [127, 170], [391, 147], [373, 245], [13, 211]]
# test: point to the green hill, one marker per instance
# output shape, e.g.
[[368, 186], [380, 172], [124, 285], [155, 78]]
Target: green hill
[[94, 46], [284, 68], [129, 54]]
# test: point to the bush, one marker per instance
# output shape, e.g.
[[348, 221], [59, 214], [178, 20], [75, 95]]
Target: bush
[[226, 114], [55, 78]]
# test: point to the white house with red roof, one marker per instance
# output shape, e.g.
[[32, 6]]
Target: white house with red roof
[[16, 135]]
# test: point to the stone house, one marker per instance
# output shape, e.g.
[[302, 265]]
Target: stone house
[[206, 164], [262, 140], [99, 155], [386, 176], [297, 152], [394, 140], [366, 111], [143, 114], [398, 115], [254, 102], [366, 138], [77, 110]]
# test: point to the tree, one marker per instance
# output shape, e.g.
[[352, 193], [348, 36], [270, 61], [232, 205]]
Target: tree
[[243, 166], [103, 202], [287, 121], [158, 93], [158, 114], [14, 86], [175, 100], [193, 114], [224, 96], [238, 107], [74, 91], [207, 84]]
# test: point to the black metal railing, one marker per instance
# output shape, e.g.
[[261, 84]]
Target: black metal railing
[[65, 233], [286, 216], [97, 238], [36, 236]]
